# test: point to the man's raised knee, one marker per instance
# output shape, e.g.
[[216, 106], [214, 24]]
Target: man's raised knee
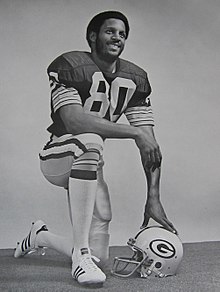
[[85, 166], [91, 140]]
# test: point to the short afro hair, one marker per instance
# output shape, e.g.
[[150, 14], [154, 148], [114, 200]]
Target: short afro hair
[[97, 21]]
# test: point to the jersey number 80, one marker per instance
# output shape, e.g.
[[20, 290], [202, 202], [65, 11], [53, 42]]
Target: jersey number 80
[[104, 97]]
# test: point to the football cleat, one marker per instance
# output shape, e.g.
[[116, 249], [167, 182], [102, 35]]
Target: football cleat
[[28, 244], [85, 271]]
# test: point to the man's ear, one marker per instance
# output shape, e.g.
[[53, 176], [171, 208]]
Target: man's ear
[[92, 36]]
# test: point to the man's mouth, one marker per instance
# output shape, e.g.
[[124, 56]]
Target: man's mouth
[[114, 45]]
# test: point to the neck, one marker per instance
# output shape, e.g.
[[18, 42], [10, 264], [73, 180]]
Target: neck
[[104, 65]]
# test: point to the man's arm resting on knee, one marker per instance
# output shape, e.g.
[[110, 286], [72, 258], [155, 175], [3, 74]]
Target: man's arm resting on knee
[[77, 121], [153, 206]]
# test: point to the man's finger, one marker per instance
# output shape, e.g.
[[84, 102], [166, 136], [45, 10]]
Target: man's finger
[[145, 222], [148, 164], [155, 166], [173, 229], [158, 157], [152, 157], [167, 225]]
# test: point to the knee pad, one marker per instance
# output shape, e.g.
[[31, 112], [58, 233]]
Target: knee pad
[[85, 166], [91, 140], [99, 225]]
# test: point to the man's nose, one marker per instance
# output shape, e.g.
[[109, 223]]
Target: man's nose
[[116, 36]]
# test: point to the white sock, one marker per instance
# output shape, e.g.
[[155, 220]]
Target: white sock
[[82, 199], [59, 243], [82, 194], [99, 230]]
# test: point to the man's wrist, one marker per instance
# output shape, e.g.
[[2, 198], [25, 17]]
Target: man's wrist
[[153, 193], [136, 133]]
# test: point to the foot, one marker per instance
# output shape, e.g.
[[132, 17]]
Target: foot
[[28, 244], [85, 271]]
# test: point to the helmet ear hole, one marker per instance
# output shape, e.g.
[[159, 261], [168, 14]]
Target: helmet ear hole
[[158, 265]]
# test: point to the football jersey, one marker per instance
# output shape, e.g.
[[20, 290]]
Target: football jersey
[[76, 79]]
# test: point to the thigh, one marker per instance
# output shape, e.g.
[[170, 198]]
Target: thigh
[[60, 153], [57, 157]]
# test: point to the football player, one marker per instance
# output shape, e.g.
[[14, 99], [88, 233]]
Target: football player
[[89, 93]]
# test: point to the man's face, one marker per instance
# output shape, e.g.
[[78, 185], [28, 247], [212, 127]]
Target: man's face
[[111, 39]]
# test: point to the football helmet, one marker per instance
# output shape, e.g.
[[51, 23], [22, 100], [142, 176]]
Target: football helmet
[[156, 251]]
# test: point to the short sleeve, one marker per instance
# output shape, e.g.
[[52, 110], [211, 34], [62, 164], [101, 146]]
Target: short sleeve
[[139, 110], [62, 87]]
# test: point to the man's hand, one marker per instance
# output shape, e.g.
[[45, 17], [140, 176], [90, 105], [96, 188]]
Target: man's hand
[[149, 149], [154, 210]]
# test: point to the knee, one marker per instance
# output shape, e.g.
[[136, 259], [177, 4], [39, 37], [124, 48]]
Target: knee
[[103, 214], [99, 224], [85, 166], [91, 141]]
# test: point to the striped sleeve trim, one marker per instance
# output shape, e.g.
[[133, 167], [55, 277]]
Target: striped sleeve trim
[[140, 116], [60, 95]]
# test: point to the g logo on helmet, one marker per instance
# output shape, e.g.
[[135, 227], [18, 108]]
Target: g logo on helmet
[[162, 248]]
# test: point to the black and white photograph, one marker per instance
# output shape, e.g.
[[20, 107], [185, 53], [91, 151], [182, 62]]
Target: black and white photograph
[[110, 133]]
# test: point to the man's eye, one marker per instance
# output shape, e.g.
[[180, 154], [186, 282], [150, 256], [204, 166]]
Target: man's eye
[[109, 31], [122, 35]]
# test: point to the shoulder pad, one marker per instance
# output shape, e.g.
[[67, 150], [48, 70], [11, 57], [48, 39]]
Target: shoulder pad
[[129, 67], [70, 60], [77, 58]]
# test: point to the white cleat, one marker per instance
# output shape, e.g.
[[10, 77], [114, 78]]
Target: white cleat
[[28, 244], [85, 271]]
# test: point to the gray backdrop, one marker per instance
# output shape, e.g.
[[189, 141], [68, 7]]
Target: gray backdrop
[[177, 42]]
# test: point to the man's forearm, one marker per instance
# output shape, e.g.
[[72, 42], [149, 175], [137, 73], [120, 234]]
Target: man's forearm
[[107, 129], [153, 182], [152, 173], [79, 122]]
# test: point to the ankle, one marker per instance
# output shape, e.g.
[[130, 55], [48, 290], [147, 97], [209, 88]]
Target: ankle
[[41, 240]]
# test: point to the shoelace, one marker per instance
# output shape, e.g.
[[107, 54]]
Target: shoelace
[[88, 264]]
